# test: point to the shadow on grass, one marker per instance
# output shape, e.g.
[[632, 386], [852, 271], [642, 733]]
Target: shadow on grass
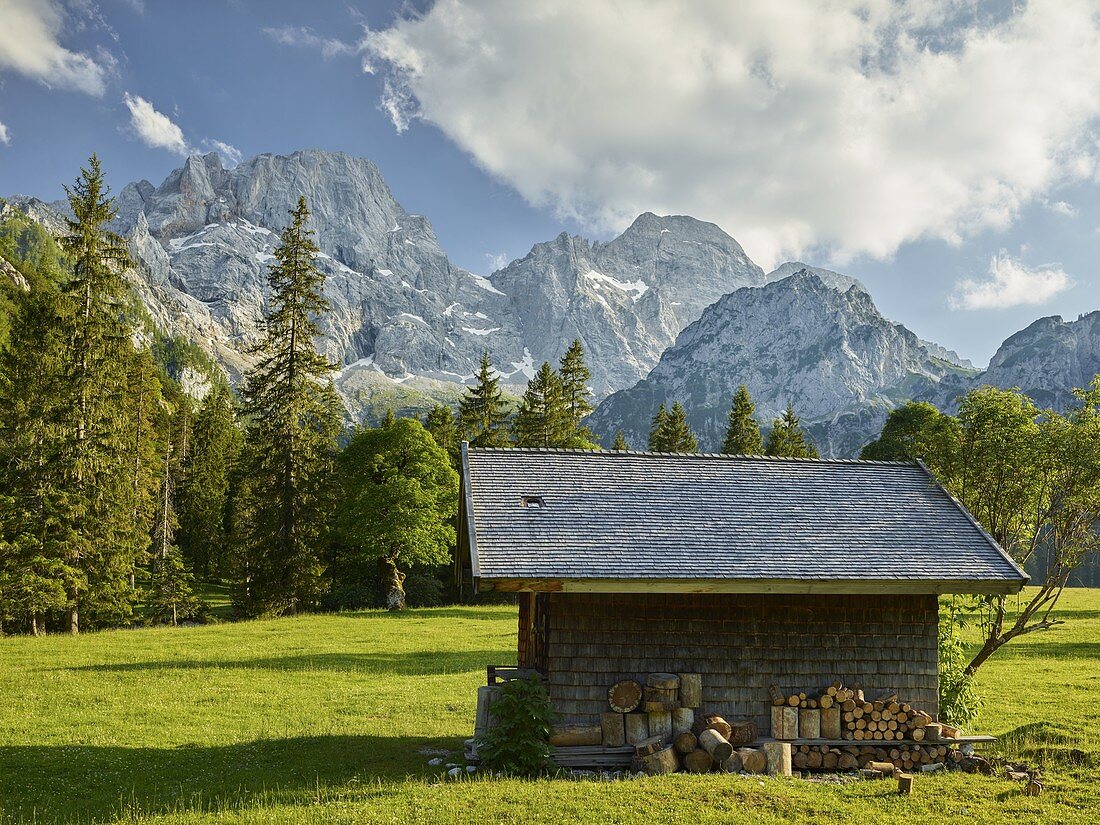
[[425, 663], [488, 613], [1047, 645], [80, 783], [1046, 744]]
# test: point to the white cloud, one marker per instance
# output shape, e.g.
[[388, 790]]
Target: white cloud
[[858, 125], [305, 37], [497, 261], [5, 136], [230, 154], [155, 128], [1010, 283], [1061, 208], [30, 45]]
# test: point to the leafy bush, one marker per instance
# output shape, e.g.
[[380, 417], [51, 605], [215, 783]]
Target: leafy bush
[[518, 742], [959, 702]]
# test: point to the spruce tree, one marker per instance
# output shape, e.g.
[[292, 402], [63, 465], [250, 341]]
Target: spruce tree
[[294, 419], [574, 384], [787, 439], [620, 444], [742, 431], [170, 594], [150, 435], [440, 422], [483, 412], [657, 430], [389, 419], [208, 471], [98, 449], [171, 597], [674, 434], [39, 519], [544, 418]]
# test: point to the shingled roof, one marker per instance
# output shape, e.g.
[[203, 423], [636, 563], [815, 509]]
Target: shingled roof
[[621, 521]]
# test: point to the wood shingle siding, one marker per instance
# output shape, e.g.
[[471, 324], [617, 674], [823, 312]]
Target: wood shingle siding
[[740, 644]]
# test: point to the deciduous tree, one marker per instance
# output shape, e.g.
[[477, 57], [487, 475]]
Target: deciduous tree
[[398, 500]]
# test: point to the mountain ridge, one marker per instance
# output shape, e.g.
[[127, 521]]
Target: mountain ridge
[[407, 325]]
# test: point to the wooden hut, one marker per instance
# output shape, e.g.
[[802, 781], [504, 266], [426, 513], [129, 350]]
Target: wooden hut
[[748, 570]]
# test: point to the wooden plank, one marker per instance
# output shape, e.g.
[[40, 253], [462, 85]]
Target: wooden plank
[[592, 757]]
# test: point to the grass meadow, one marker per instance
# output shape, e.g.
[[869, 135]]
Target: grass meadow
[[333, 718]]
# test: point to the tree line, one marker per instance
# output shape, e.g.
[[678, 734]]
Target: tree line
[[670, 432], [118, 491]]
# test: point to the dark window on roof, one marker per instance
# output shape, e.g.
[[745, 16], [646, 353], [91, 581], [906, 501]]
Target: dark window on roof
[[535, 502]]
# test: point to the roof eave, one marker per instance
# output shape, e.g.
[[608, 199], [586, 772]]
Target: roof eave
[[735, 585], [977, 525], [468, 514]]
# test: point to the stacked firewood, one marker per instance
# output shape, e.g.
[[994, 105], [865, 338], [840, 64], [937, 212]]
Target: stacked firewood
[[660, 731], [905, 757], [839, 712]]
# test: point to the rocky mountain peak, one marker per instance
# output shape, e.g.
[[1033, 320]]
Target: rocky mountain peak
[[796, 340], [1049, 358]]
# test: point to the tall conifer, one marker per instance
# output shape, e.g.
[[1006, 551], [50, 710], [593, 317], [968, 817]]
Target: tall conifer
[[294, 419], [544, 418], [676, 435], [657, 430], [787, 438], [208, 471], [170, 594], [742, 431], [100, 438], [620, 444], [440, 422], [38, 516], [574, 383], [483, 412]]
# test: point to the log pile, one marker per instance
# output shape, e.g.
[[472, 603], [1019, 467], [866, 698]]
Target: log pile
[[839, 712], [657, 725], [903, 757]]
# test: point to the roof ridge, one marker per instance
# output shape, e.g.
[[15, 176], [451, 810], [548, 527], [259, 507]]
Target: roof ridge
[[720, 456]]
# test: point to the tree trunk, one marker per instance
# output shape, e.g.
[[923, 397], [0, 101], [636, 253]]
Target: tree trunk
[[38, 624], [73, 617], [395, 598]]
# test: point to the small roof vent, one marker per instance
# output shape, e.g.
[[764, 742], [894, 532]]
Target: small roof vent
[[534, 502]]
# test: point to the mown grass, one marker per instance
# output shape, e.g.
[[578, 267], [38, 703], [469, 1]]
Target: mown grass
[[333, 718]]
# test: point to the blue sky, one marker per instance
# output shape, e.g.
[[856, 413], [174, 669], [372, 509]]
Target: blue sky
[[941, 151]]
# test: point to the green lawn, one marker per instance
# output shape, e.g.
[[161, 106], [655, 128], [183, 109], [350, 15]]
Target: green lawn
[[324, 719]]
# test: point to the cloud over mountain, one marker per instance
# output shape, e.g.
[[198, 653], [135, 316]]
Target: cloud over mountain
[[1011, 283], [155, 128], [857, 126]]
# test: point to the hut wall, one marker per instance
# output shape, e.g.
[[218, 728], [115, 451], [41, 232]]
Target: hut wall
[[741, 644]]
